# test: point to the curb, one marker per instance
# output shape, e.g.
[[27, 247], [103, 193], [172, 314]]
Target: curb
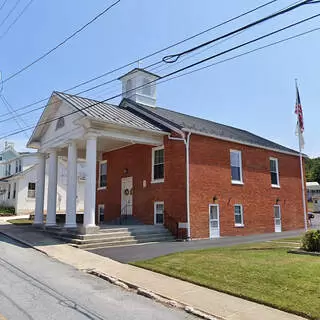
[[153, 296]]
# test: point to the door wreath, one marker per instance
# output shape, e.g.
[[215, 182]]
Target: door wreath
[[126, 192]]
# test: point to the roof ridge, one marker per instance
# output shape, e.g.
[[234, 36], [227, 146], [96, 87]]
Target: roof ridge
[[85, 98]]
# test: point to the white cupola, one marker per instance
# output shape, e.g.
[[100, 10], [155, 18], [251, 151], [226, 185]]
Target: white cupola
[[137, 86]]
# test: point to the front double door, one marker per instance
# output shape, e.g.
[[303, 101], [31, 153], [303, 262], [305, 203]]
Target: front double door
[[126, 196]]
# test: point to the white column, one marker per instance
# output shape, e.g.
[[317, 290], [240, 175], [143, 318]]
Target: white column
[[41, 172], [72, 186], [90, 187], [52, 189]]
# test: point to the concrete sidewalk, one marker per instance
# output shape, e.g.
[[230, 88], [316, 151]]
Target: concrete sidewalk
[[209, 301]]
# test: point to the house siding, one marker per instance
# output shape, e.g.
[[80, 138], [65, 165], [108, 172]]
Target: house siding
[[210, 176], [137, 159]]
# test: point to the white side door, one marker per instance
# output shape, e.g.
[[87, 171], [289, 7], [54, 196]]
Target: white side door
[[214, 221], [126, 196], [277, 218]]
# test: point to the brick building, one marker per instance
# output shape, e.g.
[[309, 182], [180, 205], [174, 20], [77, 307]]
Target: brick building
[[155, 166]]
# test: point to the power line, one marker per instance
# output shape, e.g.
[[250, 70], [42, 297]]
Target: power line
[[149, 55], [61, 43], [196, 63], [16, 19], [174, 57], [9, 14], [169, 77], [3, 4]]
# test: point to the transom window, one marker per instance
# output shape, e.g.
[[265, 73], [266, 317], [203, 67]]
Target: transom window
[[236, 166], [31, 190], [103, 174], [158, 164], [238, 215], [274, 172], [158, 212]]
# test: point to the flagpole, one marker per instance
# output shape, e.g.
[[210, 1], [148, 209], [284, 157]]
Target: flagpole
[[302, 178]]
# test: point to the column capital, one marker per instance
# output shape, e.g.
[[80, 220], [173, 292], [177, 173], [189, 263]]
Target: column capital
[[91, 136]]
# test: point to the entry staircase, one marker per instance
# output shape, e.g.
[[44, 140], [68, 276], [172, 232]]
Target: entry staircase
[[113, 236]]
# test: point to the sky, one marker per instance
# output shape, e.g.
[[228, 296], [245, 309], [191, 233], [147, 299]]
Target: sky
[[255, 92]]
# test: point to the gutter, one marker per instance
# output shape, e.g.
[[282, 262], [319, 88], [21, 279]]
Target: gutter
[[186, 141]]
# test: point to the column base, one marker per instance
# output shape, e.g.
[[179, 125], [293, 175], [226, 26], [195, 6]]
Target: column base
[[88, 229], [51, 224], [70, 225]]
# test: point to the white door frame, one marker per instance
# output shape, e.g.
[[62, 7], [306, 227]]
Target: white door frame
[[127, 199], [211, 234], [277, 227]]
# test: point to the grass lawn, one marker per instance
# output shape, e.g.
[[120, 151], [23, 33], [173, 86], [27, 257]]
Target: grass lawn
[[262, 272], [310, 206], [21, 221]]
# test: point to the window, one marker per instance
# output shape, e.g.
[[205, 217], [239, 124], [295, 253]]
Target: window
[[128, 87], [14, 190], [8, 169], [238, 215], [236, 167], [158, 164], [60, 123], [9, 190], [101, 212], [31, 190], [274, 172], [158, 212], [103, 174], [18, 166]]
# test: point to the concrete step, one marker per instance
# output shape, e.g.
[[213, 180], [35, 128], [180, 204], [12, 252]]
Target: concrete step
[[100, 245], [116, 238]]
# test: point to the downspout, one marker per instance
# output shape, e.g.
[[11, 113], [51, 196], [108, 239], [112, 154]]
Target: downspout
[[186, 141]]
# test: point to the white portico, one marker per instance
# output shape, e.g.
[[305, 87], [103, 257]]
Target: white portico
[[80, 128]]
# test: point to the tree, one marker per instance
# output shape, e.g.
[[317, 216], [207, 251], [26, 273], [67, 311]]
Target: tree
[[313, 169]]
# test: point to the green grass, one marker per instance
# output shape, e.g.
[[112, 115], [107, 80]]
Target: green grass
[[262, 272], [310, 206], [21, 221]]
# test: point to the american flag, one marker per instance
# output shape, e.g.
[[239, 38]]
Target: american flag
[[298, 111]]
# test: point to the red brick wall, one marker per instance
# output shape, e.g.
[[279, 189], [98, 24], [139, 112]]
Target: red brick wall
[[137, 159], [210, 176]]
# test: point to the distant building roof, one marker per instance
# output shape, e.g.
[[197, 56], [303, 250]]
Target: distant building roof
[[312, 184]]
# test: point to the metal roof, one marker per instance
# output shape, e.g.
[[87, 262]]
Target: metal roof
[[107, 112], [210, 128]]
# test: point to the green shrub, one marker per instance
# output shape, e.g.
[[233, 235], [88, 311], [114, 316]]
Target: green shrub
[[7, 211], [311, 241]]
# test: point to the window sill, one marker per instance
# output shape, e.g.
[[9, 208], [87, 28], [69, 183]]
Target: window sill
[[157, 181], [102, 188], [239, 225], [275, 186], [236, 182]]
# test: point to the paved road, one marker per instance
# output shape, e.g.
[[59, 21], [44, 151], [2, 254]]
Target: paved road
[[36, 287], [148, 251]]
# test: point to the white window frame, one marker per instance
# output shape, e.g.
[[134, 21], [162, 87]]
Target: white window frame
[[154, 212], [99, 207], [152, 165], [35, 186], [234, 215], [240, 160], [277, 167], [100, 163]]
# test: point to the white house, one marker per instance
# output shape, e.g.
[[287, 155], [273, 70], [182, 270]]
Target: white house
[[18, 181], [313, 189]]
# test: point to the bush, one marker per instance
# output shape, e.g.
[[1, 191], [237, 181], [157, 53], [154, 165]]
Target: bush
[[7, 211], [311, 241]]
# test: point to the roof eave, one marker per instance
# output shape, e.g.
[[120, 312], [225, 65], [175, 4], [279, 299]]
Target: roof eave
[[241, 142]]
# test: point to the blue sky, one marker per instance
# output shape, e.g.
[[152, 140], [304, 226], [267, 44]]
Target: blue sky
[[255, 92]]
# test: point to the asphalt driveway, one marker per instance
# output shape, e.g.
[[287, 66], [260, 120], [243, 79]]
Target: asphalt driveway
[[151, 250]]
